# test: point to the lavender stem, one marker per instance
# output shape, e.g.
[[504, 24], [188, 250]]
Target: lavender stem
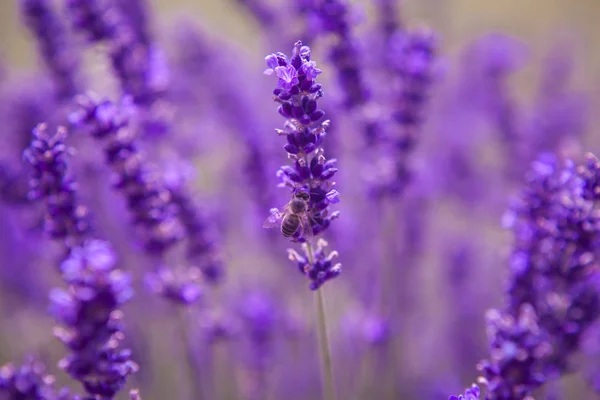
[[192, 362], [327, 369]]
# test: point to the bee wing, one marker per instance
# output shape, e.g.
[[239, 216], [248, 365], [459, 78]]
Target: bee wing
[[305, 226], [274, 219]]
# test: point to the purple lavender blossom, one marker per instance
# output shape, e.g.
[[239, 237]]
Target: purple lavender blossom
[[412, 58], [29, 381], [65, 218], [90, 313], [553, 295], [147, 198], [202, 239], [322, 269], [471, 393], [180, 285], [260, 318], [164, 214], [217, 328], [334, 16], [139, 66], [59, 54], [388, 21], [517, 349], [138, 14], [310, 177]]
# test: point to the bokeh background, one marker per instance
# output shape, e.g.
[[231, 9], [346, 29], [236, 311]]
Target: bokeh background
[[456, 273]]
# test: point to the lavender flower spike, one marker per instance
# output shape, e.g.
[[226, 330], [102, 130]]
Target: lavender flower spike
[[65, 218], [90, 313], [309, 179], [553, 296], [29, 381], [310, 176], [139, 65], [335, 17], [412, 57], [54, 45], [147, 198]]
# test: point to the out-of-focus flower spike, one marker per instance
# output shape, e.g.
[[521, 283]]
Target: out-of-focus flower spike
[[388, 18], [59, 54], [138, 15], [149, 201], [180, 285], [89, 312], [335, 17], [139, 65], [553, 296], [412, 57], [66, 219], [31, 381]]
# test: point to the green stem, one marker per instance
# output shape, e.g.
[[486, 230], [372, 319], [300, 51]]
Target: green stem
[[327, 368]]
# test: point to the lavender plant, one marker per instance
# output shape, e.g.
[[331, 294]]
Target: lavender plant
[[421, 210], [137, 63], [149, 201], [309, 179], [66, 220], [552, 296], [310, 176], [92, 321], [55, 47], [89, 309]]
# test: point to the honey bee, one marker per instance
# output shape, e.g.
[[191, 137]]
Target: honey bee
[[294, 216]]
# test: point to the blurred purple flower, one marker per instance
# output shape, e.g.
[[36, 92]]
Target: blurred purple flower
[[412, 56], [148, 200], [92, 327], [57, 50], [345, 54], [139, 65], [202, 239], [388, 21], [180, 285], [66, 219], [553, 295], [29, 381]]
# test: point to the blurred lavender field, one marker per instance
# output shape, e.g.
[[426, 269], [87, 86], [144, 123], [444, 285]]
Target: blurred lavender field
[[146, 144]]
